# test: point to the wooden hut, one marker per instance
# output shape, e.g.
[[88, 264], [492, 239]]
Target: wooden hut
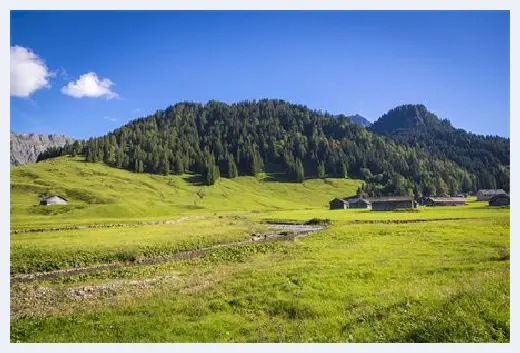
[[388, 203], [338, 204], [359, 203], [53, 200], [499, 200]]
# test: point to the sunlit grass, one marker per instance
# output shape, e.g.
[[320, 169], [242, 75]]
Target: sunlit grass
[[99, 194], [429, 282]]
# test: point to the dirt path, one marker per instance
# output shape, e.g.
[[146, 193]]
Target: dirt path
[[89, 226], [291, 232]]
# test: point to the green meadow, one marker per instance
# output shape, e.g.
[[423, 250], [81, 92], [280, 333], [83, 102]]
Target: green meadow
[[98, 194], [442, 280]]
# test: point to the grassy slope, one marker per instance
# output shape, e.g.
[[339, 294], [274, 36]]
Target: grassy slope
[[443, 281], [99, 194]]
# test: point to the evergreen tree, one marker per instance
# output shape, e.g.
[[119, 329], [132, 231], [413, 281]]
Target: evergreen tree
[[343, 170], [300, 172], [179, 166], [321, 170], [164, 165], [232, 167], [212, 172]]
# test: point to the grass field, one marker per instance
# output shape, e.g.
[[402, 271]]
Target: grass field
[[99, 194], [46, 251], [445, 280]]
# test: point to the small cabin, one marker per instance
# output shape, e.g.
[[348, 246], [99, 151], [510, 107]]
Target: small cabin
[[338, 204], [499, 200], [53, 200], [359, 203], [444, 201], [388, 203], [487, 194]]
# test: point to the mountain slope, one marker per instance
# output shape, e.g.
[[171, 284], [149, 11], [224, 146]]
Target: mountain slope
[[25, 148], [485, 156]]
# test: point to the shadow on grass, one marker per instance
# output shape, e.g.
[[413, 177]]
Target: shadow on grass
[[195, 179], [277, 178]]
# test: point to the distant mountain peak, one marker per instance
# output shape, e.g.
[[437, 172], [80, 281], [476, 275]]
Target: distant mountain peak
[[409, 117], [360, 120]]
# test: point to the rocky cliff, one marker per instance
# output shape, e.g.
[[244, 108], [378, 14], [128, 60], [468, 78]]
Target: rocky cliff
[[25, 148]]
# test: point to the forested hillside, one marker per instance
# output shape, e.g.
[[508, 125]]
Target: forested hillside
[[487, 157], [220, 140]]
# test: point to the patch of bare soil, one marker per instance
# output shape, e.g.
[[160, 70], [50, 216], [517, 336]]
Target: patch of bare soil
[[29, 300]]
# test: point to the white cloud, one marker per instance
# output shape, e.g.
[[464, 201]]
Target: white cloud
[[28, 72], [89, 85], [111, 119]]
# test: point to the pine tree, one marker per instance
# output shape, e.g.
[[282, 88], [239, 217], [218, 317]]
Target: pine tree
[[212, 171], [232, 167], [179, 166], [321, 170], [343, 171], [300, 172], [90, 158], [164, 165]]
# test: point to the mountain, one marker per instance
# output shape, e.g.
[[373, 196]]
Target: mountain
[[487, 157], [25, 148], [410, 119], [360, 120], [292, 143]]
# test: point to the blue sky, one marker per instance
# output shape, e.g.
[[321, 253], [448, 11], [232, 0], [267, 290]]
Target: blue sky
[[83, 73]]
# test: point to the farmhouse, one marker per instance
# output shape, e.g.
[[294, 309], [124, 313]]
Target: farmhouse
[[487, 194], [499, 200], [359, 203], [338, 204], [53, 200], [392, 203], [444, 201]]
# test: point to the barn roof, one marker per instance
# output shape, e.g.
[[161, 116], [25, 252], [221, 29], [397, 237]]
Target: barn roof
[[491, 191], [50, 197], [447, 199], [342, 200], [390, 198], [356, 200], [499, 196]]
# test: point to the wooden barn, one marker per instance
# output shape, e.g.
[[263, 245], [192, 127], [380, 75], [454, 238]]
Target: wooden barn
[[338, 204], [53, 200], [359, 203], [487, 194], [388, 203], [444, 201], [499, 200]]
